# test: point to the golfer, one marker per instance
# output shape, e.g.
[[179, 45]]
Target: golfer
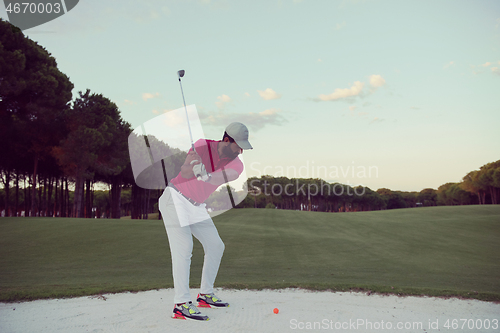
[[184, 214]]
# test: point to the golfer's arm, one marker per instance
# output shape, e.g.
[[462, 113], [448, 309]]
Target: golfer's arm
[[218, 177], [187, 171]]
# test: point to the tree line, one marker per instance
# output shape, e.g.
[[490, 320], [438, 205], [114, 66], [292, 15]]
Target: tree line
[[55, 149], [477, 187]]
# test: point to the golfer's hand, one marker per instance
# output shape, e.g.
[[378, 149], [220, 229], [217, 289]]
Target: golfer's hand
[[192, 158], [200, 172]]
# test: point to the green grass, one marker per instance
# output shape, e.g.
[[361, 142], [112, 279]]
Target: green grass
[[436, 251], [152, 216]]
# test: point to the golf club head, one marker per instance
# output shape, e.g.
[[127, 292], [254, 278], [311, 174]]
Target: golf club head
[[180, 73]]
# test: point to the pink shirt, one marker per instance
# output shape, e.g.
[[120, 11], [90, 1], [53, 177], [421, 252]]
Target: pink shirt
[[198, 190]]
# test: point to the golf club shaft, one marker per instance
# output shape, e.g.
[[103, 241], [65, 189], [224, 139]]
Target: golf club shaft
[[185, 109]]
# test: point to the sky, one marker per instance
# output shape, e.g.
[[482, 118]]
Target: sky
[[402, 95]]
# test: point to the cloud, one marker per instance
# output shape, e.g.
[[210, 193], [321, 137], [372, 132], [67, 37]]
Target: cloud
[[247, 94], [451, 63], [377, 81], [319, 60], [355, 90], [479, 68], [176, 119], [414, 108], [127, 102], [376, 120], [352, 108], [254, 120], [223, 100], [495, 70], [147, 96], [269, 112], [269, 94], [339, 26]]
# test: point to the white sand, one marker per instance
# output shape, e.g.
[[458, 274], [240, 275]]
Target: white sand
[[250, 311]]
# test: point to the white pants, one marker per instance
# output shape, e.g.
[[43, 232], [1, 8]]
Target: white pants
[[183, 220]]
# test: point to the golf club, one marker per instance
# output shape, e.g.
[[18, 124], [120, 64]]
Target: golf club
[[180, 73]]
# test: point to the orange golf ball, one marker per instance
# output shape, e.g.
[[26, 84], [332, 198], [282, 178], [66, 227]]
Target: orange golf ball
[[276, 310]]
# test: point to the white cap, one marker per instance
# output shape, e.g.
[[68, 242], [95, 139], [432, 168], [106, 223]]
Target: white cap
[[239, 133]]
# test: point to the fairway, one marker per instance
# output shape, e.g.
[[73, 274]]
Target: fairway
[[433, 251]]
